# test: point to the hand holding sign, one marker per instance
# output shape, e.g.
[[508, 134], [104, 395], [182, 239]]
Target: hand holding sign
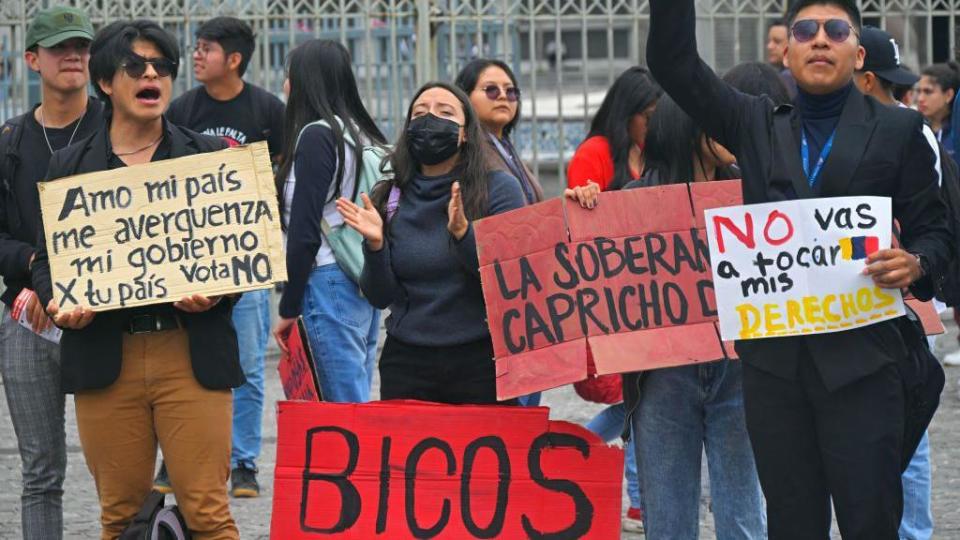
[[366, 220], [893, 268], [197, 303], [77, 319], [588, 196], [457, 224]]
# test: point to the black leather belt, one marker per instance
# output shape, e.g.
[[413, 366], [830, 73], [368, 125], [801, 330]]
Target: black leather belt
[[148, 322]]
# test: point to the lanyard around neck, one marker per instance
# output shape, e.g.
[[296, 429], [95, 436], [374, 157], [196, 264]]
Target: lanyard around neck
[[805, 155]]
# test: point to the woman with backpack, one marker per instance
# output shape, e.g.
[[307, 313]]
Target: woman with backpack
[[612, 153], [327, 127]]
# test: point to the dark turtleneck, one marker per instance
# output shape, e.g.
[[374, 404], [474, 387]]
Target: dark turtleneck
[[820, 114]]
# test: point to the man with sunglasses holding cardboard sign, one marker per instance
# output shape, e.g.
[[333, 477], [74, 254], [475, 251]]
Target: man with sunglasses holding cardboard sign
[[825, 413], [58, 50], [156, 374]]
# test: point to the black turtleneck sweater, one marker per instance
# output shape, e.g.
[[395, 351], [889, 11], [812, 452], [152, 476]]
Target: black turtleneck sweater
[[820, 114], [431, 282]]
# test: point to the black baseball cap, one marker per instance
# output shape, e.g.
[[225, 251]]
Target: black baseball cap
[[883, 57]]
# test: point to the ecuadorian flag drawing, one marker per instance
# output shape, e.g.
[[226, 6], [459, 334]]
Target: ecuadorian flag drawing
[[858, 247]]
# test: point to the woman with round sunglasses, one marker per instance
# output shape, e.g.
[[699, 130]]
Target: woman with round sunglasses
[[495, 97], [612, 154], [158, 374], [420, 254]]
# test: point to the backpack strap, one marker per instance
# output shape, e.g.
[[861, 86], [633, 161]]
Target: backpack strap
[[393, 202], [10, 135]]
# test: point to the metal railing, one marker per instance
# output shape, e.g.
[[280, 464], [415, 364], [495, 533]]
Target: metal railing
[[566, 53]]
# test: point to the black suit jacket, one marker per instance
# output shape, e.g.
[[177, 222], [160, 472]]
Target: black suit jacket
[[878, 150], [90, 358]]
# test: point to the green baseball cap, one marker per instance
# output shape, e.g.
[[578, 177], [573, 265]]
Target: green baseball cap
[[56, 25]]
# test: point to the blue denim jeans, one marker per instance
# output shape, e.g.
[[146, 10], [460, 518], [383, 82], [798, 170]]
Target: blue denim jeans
[[682, 410], [608, 425], [342, 328], [917, 521], [251, 318]]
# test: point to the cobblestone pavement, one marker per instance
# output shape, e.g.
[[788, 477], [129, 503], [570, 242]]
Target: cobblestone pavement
[[253, 515]]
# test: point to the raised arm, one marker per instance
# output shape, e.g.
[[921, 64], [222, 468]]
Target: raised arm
[[672, 57]]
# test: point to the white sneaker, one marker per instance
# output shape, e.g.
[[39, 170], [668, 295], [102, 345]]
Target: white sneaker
[[952, 359]]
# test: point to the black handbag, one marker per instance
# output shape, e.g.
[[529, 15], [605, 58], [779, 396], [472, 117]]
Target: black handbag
[[923, 382], [155, 521]]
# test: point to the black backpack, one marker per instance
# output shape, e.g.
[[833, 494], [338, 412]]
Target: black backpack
[[155, 521], [947, 284]]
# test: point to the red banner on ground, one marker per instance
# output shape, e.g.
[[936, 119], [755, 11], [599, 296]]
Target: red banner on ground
[[402, 469], [298, 373], [629, 282]]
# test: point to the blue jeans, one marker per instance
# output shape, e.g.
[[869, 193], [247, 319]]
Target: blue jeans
[[608, 425], [682, 410], [342, 328], [917, 522], [530, 400], [251, 318]]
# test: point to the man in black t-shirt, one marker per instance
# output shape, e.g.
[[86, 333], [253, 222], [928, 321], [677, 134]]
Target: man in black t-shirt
[[241, 113], [58, 50]]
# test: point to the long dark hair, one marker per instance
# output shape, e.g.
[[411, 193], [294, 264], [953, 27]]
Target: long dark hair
[[471, 168], [674, 139], [469, 76], [758, 79], [673, 143], [632, 92], [322, 87]]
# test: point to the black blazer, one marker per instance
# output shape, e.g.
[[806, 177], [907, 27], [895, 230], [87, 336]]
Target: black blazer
[[90, 358], [878, 151]]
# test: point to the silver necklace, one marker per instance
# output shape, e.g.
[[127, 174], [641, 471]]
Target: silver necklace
[[43, 126], [137, 151]]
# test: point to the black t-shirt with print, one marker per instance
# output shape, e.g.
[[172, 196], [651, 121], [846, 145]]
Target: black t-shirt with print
[[253, 115]]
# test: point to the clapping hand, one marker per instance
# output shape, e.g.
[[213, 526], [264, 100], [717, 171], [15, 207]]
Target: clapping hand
[[366, 220]]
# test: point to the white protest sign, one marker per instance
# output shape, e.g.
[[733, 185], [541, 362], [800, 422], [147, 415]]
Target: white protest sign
[[203, 224], [795, 267]]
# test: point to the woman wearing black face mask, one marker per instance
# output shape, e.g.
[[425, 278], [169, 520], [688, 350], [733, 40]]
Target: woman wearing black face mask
[[421, 255]]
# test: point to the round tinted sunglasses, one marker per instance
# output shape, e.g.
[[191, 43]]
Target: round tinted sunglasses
[[493, 93], [136, 66], [838, 30]]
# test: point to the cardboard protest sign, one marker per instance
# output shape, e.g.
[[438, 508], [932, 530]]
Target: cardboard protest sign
[[794, 267], [405, 469], [298, 373], [629, 282], [204, 224]]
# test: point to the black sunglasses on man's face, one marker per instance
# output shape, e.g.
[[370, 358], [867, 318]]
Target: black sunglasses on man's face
[[838, 30], [135, 66]]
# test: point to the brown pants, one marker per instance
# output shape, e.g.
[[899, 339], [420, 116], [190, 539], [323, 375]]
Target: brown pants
[[156, 398]]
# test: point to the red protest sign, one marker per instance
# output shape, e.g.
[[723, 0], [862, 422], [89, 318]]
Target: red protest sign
[[298, 374], [404, 469], [628, 283]]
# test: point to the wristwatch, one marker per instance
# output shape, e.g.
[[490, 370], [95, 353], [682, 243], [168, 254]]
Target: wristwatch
[[924, 266]]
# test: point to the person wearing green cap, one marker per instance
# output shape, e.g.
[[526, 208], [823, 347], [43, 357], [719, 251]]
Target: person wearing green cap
[[57, 48]]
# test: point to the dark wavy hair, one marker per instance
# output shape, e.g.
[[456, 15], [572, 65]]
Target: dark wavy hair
[[632, 92], [673, 138], [322, 87], [471, 168], [234, 35], [113, 45], [469, 76], [758, 79], [947, 75]]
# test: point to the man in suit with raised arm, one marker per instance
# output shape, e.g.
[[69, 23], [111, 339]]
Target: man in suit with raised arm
[[825, 413]]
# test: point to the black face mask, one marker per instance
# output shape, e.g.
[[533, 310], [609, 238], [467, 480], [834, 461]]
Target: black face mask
[[432, 139]]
